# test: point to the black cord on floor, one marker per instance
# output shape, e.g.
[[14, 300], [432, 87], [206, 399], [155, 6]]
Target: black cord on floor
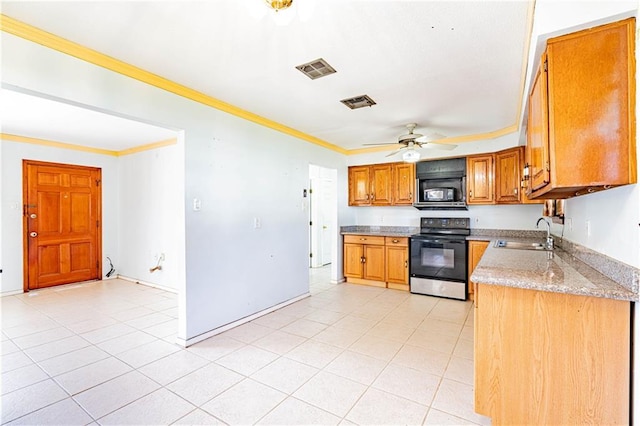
[[112, 270]]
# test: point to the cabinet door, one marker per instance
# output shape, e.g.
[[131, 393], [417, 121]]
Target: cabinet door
[[537, 132], [476, 250], [550, 358], [480, 179], [397, 264], [508, 176], [374, 265], [591, 107], [359, 186], [353, 260], [403, 183], [381, 184]]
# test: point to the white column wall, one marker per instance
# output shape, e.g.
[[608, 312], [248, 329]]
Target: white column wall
[[151, 216], [239, 171]]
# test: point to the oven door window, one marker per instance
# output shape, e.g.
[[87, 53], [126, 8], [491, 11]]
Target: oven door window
[[439, 259]]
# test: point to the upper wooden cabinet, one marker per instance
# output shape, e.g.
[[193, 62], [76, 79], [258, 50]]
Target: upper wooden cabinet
[[508, 175], [404, 178], [497, 178], [389, 184], [581, 127], [480, 174]]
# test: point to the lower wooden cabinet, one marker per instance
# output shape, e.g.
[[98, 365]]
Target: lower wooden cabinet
[[476, 250], [543, 358], [397, 262], [377, 260]]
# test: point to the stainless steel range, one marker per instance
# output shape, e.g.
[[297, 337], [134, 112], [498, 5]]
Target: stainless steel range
[[438, 258]]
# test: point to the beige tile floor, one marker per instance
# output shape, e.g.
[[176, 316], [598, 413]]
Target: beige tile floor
[[103, 353]]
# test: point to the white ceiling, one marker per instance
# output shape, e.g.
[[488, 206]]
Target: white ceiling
[[37, 117], [455, 68]]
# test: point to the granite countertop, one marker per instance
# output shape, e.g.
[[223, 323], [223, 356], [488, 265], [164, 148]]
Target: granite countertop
[[380, 231], [556, 271]]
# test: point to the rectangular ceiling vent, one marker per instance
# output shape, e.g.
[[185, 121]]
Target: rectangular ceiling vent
[[316, 69], [359, 102]]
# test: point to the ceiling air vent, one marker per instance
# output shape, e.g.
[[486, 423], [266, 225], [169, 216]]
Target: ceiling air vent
[[359, 102], [316, 69]]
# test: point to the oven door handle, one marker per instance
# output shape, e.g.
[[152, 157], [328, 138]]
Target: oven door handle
[[442, 241]]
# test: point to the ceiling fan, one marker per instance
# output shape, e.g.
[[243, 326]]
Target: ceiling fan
[[411, 141]]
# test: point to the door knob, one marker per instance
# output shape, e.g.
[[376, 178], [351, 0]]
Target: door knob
[[33, 216], [33, 234]]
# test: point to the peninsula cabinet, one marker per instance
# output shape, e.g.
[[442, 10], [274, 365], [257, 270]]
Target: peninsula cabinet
[[389, 184], [581, 127], [543, 358]]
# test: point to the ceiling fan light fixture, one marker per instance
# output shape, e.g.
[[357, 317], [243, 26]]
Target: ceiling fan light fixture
[[410, 156], [278, 5]]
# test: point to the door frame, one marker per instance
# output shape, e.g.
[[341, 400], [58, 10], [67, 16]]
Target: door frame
[[25, 227]]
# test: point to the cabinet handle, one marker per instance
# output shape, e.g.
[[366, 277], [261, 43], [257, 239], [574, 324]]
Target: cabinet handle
[[515, 191], [373, 197], [406, 265], [363, 259], [367, 196], [395, 241], [470, 194], [363, 239]]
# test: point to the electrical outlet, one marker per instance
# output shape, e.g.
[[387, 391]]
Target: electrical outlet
[[588, 228], [197, 205], [257, 223]]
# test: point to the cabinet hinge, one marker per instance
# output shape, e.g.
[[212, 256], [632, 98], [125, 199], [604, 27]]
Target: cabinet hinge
[[310, 223], [310, 254], [97, 223], [547, 166], [98, 182], [546, 65]]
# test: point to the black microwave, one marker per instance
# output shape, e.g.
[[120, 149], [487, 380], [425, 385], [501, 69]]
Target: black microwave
[[439, 194]]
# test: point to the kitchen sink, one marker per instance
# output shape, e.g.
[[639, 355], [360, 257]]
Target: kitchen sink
[[519, 245]]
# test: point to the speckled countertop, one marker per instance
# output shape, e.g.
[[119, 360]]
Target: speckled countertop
[[382, 231], [556, 271], [566, 272]]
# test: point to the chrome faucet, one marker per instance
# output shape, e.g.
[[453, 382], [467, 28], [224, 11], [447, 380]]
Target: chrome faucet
[[549, 243]]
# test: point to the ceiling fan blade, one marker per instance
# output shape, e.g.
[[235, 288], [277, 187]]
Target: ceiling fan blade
[[395, 152], [435, 145], [379, 144], [430, 137]]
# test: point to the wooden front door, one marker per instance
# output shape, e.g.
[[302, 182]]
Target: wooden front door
[[63, 233]]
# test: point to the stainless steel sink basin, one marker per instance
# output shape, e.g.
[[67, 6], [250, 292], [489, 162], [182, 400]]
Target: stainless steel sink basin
[[519, 245]]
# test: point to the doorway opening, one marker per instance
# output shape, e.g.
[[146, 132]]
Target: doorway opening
[[323, 218]]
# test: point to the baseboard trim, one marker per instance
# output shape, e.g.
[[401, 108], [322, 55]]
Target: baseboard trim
[[148, 284], [193, 340], [11, 293]]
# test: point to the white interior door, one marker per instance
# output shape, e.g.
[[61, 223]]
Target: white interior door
[[322, 200]]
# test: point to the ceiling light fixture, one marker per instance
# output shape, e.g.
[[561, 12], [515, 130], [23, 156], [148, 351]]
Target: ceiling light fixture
[[411, 155], [278, 5]]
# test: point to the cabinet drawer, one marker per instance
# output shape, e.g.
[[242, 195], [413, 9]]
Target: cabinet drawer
[[363, 239], [397, 241]]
